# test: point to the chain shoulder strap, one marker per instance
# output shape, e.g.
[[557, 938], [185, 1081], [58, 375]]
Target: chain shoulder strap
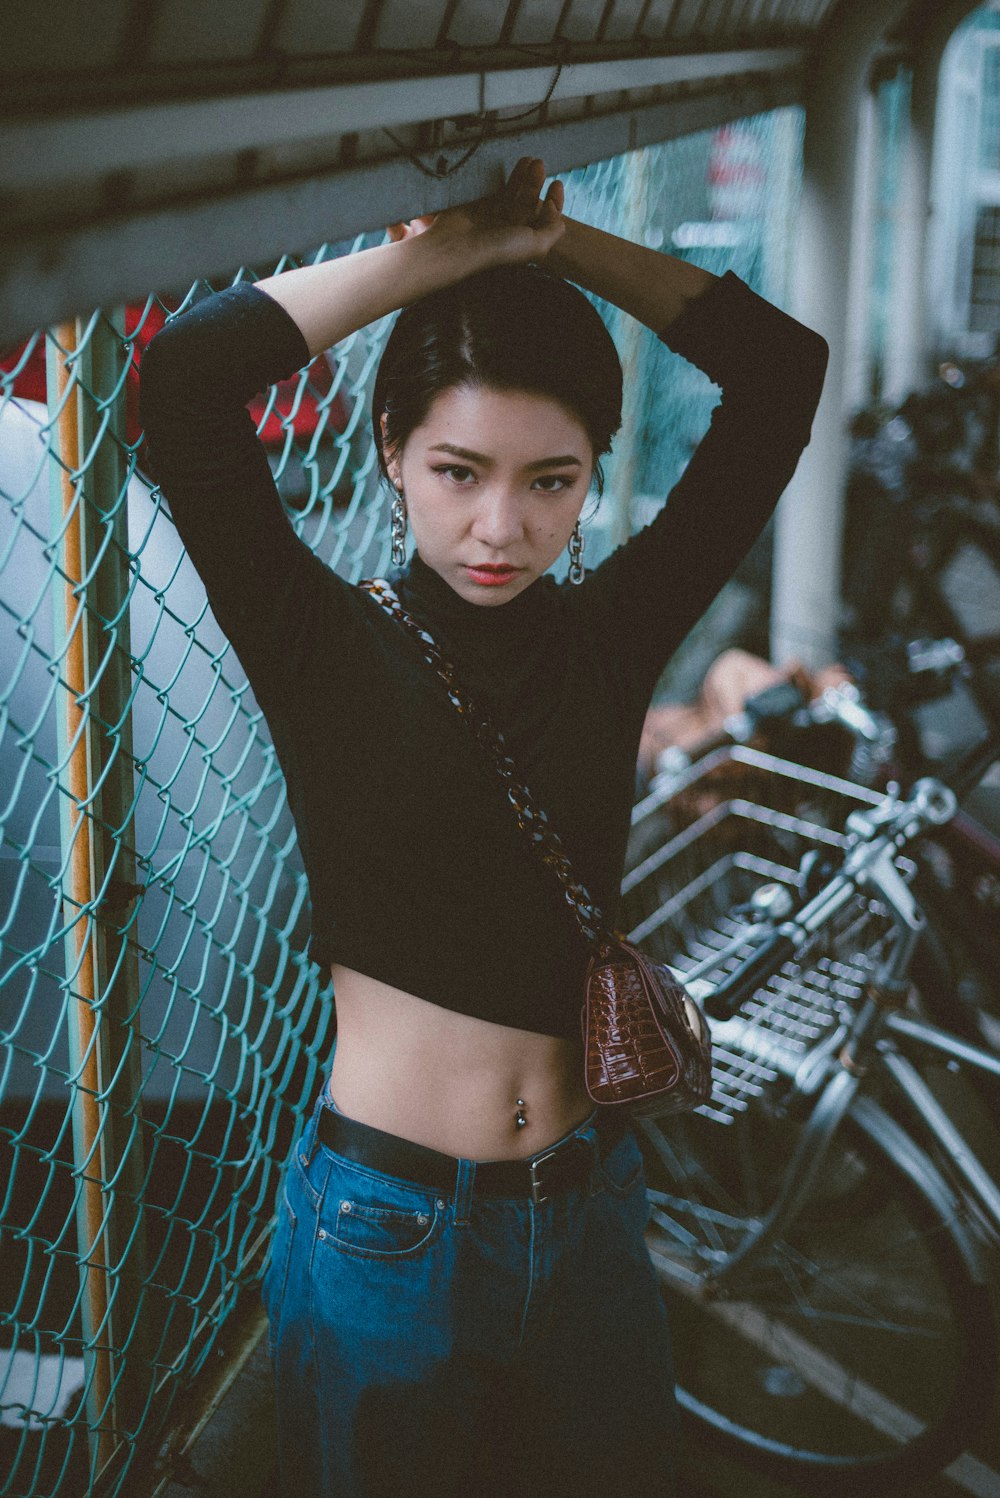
[[530, 818]]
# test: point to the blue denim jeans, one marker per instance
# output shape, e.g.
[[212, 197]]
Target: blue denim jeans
[[467, 1345]]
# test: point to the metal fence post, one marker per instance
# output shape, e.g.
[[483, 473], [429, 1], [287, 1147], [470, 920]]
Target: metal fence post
[[86, 395]]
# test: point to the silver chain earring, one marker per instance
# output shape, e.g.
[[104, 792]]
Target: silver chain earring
[[576, 568], [398, 514]]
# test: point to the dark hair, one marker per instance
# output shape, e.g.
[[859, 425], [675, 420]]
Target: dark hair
[[510, 327]]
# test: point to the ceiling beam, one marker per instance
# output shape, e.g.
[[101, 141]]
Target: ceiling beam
[[52, 271], [42, 152]]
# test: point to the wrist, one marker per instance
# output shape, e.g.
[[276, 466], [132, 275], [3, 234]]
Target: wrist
[[564, 259], [446, 255]]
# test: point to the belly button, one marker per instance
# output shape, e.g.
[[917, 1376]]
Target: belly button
[[520, 1120]]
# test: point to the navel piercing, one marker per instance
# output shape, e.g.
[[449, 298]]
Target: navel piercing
[[521, 1120]]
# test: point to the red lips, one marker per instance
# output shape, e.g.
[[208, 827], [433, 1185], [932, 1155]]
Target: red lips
[[492, 572]]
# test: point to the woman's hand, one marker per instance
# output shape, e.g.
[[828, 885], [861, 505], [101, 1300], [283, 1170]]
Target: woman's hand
[[511, 225], [334, 298]]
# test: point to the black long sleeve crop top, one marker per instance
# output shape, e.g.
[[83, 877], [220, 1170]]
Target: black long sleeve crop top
[[418, 873]]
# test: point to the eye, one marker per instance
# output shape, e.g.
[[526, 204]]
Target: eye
[[561, 480], [455, 471]]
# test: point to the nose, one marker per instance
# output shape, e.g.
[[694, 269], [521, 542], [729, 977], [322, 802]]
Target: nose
[[499, 518]]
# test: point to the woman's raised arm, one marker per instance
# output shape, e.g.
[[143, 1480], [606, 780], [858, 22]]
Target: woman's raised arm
[[770, 368], [331, 300], [648, 284], [197, 375]]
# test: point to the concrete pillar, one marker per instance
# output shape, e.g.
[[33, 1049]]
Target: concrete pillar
[[905, 331], [861, 248], [829, 273], [911, 333]]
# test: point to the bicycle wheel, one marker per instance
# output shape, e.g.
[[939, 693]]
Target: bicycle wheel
[[853, 1351]]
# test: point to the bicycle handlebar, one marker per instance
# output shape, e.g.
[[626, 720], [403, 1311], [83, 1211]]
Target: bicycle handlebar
[[874, 833], [782, 703], [766, 959]]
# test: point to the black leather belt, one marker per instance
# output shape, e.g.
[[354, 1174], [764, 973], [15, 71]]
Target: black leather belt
[[539, 1176]]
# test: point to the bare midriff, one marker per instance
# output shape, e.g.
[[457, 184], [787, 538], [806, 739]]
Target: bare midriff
[[449, 1080]]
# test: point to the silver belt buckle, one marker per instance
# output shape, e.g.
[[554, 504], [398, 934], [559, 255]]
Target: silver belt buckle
[[537, 1195]]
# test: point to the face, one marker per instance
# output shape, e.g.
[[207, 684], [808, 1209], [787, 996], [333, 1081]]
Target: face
[[493, 478]]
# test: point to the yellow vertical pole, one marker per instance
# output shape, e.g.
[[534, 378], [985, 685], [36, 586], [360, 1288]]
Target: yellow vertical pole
[[79, 888], [102, 978]]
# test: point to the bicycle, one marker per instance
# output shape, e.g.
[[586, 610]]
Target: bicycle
[[957, 965], [821, 1228]]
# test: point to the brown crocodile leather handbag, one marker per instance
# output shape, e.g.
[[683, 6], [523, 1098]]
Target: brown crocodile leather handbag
[[646, 1043]]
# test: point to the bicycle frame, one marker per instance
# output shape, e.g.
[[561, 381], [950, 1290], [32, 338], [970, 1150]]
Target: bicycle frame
[[909, 1031], [839, 1087], [823, 1250]]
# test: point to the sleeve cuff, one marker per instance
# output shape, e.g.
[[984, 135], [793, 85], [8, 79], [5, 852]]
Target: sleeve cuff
[[286, 337]]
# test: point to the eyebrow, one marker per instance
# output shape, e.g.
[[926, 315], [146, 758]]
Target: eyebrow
[[465, 452]]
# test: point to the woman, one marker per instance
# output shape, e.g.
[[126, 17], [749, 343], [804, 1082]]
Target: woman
[[460, 1295]]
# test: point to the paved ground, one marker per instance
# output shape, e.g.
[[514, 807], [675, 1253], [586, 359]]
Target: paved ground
[[235, 1453], [234, 1457]]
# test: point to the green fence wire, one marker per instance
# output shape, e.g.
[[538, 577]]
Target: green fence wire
[[163, 1032]]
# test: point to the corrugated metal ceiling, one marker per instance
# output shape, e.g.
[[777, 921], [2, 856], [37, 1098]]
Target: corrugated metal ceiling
[[121, 49]]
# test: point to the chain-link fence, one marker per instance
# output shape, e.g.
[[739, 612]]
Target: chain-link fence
[[163, 1031]]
